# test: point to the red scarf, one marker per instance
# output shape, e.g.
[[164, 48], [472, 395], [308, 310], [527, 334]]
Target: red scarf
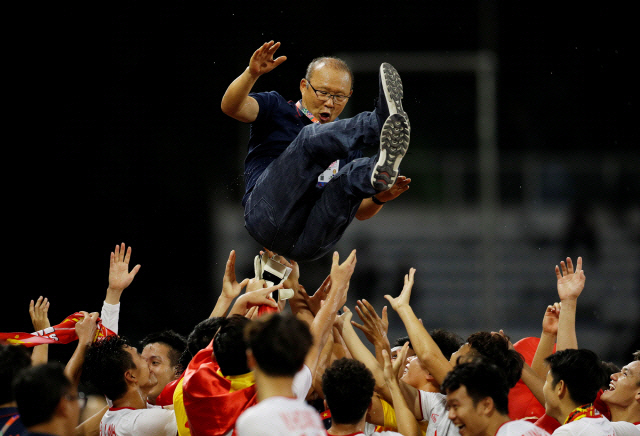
[[585, 411], [211, 408], [62, 333]]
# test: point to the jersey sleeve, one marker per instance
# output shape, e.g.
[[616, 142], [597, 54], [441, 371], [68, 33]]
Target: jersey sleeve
[[155, 422], [110, 315], [302, 382], [266, 102]]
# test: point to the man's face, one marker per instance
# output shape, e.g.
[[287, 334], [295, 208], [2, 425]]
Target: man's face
[[462, 351], [414, 375], [396, 350], [71, 410], [624, 389], [464, 414], [145, 378], [551, 397], [157, 357], [331, 80]]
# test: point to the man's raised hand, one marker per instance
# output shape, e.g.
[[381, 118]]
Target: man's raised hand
[[38, 312], [119, 275], [570, 282], [262, 60], [230, 286], [402, 300]]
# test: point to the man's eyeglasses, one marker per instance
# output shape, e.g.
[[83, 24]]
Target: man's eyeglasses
[[324, 95]]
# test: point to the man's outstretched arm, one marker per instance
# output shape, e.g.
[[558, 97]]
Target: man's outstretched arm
[[369, 207], [236, 101]]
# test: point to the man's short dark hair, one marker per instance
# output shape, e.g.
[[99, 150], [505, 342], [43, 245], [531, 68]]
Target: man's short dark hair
[[105, 363], [581, 372], [482, 379], [401, 341], [495, 348], [332, 62], [177, 345], [13, 359], [202, 334], [229, 346], [447, 341], [348, 386], [38, 391], [609, 369], [279, 343]]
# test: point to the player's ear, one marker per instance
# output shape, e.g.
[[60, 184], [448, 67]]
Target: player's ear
[[251, 360], [303, 84]]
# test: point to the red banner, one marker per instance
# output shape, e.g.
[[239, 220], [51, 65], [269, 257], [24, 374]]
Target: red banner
[[62, 333]]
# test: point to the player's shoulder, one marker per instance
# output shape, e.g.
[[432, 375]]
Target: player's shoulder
[[521, 428]]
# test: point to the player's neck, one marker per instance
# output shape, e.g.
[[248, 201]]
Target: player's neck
[[346, 429], [55, 426], [429, 387], [628, 414], [496, 422], [133, 398], [269, 386]]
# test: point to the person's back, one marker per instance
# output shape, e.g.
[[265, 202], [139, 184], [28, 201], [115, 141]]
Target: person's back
[[277, 348], [13, 359]]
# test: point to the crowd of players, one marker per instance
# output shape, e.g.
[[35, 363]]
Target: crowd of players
[[259, 366]]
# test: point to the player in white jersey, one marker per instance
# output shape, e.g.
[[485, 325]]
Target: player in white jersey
[[477, 399], [572, 384], [434, 410], [119, 372]]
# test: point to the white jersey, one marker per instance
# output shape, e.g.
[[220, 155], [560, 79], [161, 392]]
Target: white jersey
[[520, 428], [280, 416], [379, 433], [302, 382], [125, 421], [624, 428], [600, 426], [434, 410]]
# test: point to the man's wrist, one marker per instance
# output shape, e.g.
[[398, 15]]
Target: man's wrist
[[376, 201]]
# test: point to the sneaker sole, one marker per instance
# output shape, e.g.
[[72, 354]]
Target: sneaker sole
[[394, 142], [392, 87]]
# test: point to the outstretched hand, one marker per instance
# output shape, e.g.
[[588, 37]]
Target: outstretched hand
[[551, 318], [374, 328], [119, 275], [402, 300], [38, 312], [86, 328], [341, 272], [400, 186], [230, 286], [262, 60], [570, 282]]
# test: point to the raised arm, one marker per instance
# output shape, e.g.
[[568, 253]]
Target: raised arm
[[407, 424], [38, 311], [547, 339], [423, 344], [86, 331], [570, 286], [375, 328], [369, 207], [323, 322], [230, 287], [119, 279], [236, 101]]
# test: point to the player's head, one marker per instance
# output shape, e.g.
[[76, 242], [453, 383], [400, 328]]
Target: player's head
[[477, 393], [229, 346], [278, 343], [348, 386], [624, 387], [416, 373], [46, 396], [495, 348], [202, 334], [13, 359], [163, 351], [397, 346], [574, 379], [324, 76], [112, 365]]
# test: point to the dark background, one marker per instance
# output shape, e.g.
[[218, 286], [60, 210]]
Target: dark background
[[116, 132]]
